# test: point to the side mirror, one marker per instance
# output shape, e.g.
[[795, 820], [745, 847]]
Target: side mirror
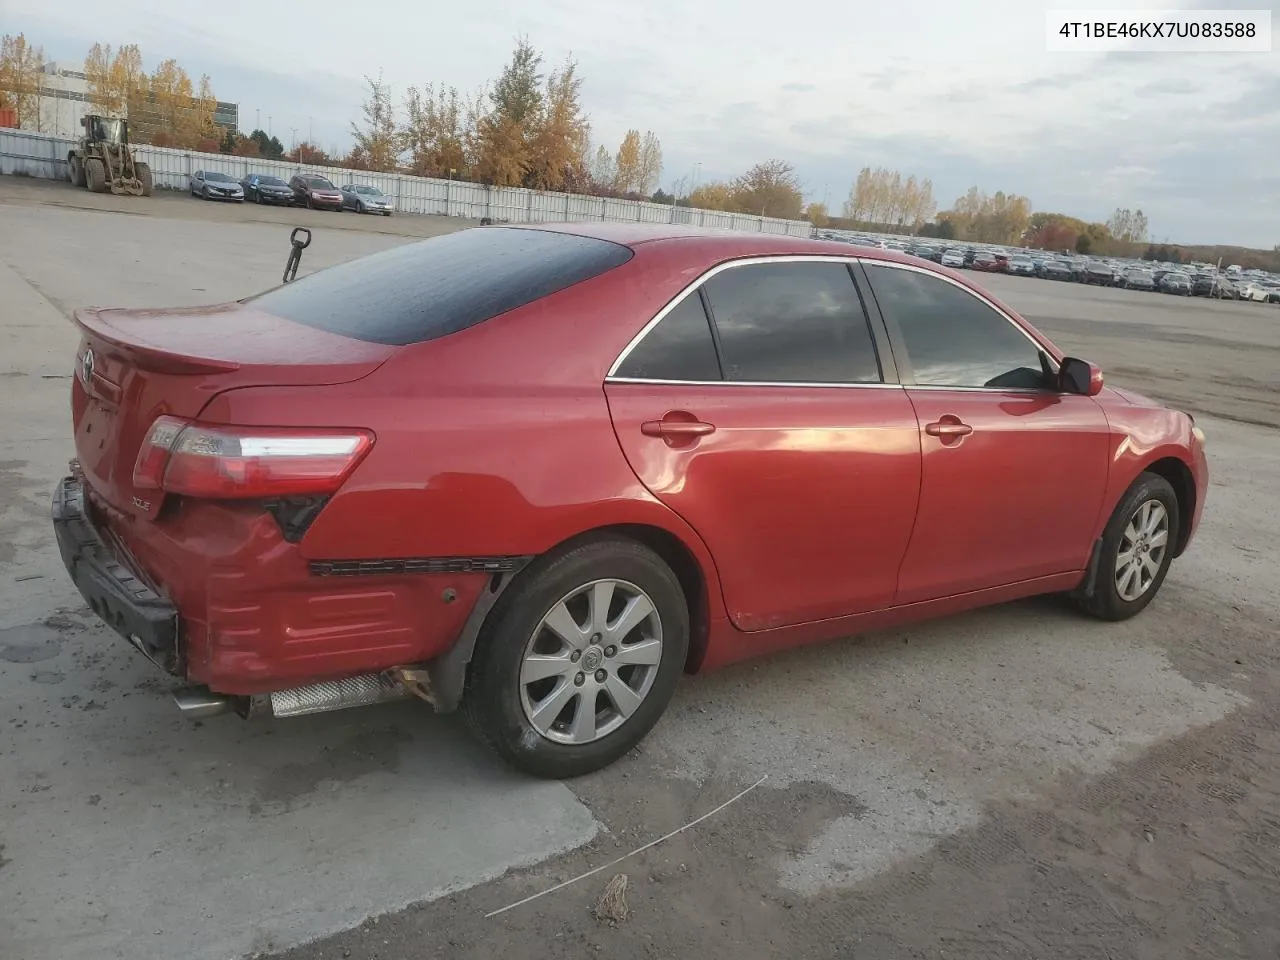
[[1079, 376]]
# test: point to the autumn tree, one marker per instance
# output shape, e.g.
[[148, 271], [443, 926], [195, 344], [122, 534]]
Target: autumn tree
[[713, 196], [246, 147], [558, 135], [377, 142], [996, 218], [1128, 226], [882, 197], [626, 164], [1053, 231], [769, 189], [20, 78], [434, 134], [114, 79], [602, 171], [309, 153], [650, 166], [816, 213], [501, 137]]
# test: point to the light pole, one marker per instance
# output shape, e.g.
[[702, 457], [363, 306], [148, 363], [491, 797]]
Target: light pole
[[257, 118]]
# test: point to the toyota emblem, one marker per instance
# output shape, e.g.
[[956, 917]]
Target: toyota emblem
[[86, 367]]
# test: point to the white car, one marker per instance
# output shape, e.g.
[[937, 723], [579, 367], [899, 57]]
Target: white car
[[1253, 291], [953, 258]]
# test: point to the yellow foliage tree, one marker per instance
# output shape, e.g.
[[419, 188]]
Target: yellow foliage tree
[[713, 196], [20, 79], [559, 135], [434, 134], [626, 164]]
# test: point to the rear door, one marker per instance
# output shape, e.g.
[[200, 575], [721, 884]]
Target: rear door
[[1014, 472], [762, 408]]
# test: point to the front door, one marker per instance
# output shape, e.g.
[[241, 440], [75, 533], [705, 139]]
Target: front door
[[772, 432], [1013, 471]]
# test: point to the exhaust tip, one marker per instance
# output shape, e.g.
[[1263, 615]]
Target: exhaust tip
[[198, 703]]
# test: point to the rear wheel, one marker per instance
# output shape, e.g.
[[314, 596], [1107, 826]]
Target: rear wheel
[[578, 659], [1137, 548], [95, 175], [144, 175]]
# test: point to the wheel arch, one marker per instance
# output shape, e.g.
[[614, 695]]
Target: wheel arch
[[1179, 475], [448, 674]]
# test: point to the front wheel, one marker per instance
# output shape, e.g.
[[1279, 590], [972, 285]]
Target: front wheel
[[145, 180], [1137, 548], [578, 659]]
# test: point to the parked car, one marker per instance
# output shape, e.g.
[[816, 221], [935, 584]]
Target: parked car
[[1057, 270], [1022, 266], [261, 188], [328, 504], [953, 258], [210, 185], [1253, 291], [1176, 283], [315, 192], [987, 263], [1099, 273], [1137, 278], [363, 198]]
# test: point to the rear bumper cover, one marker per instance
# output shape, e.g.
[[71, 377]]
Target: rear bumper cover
[[110, 583]]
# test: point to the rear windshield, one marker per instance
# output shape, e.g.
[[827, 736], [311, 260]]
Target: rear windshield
[[423, 290]]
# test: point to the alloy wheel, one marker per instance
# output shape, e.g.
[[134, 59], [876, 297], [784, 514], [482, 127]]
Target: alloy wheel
[[590, 662], [1142, 548]]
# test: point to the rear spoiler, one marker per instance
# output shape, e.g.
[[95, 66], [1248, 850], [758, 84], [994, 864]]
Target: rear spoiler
[[132, 346]]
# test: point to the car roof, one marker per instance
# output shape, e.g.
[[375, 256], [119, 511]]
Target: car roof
[[719, 242]]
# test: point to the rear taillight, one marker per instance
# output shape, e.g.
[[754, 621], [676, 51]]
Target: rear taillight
[[238, 463]]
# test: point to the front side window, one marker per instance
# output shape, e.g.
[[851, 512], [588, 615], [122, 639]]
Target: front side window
[[679, 347], [796, 322], [952, 338]]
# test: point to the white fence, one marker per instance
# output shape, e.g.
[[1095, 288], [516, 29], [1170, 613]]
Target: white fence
[[32, 154]]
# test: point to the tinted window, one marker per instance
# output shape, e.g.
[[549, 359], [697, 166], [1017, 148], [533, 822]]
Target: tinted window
[[680, 347], [434, 287], [320, 183], [270, 181], [952, 338], [797, 322]]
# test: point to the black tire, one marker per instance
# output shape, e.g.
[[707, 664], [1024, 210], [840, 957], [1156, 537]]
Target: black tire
[[1105, 601], [95, 175], [145, 178], [492, 700], [75, 170]]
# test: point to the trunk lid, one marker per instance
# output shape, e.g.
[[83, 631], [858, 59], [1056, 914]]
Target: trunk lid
[[136, 365]]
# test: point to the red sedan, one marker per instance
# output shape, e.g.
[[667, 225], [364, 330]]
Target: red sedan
[[546, 470]]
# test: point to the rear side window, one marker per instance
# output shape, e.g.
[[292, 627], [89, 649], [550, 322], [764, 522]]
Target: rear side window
[[679, 347], [800, 322], [420, 291]]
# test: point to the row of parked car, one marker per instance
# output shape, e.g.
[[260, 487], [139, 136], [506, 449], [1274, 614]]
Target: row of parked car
[[1176, 279], [302, 190]]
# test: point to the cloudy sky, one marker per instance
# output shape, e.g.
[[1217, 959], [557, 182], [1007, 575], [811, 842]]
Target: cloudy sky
[[960, 91]]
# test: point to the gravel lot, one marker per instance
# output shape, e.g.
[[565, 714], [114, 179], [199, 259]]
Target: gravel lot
[[1014, 782]]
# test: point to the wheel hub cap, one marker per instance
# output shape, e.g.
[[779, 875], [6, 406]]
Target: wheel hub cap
[[592, 658]]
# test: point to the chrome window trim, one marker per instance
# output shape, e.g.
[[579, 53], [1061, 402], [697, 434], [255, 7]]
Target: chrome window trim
[[696, 284], [760, 383]]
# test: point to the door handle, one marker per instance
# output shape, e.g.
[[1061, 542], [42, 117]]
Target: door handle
[[676, 428], [948, 427]]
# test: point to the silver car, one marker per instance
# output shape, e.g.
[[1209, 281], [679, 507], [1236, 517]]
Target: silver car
[[365, 199], [209, 185]]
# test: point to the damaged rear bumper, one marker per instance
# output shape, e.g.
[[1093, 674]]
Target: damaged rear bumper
[[110, 583]]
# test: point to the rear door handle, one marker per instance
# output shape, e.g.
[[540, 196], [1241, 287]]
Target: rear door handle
[[947, 427], [676, 428]]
